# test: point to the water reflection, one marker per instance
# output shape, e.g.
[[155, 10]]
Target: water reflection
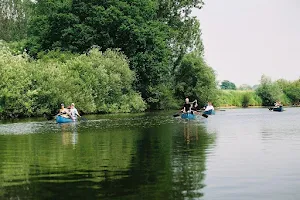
[[69, 134], [190, 132], [161, 158], [189, 161]]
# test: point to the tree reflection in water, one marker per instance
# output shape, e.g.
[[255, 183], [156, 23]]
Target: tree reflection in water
[[163, 161]]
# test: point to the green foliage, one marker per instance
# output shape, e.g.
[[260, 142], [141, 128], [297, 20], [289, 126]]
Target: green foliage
[[154, 35], [291, 90], [240, 98], [96, 82], [246, 100], [227, 85], [14, 16], [17, 47], [269, 92], [163, 98], [196, 80], [266, 94]]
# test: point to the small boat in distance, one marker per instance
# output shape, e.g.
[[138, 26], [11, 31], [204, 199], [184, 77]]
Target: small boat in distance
[[187, 116], [276, 109], [61, 119]]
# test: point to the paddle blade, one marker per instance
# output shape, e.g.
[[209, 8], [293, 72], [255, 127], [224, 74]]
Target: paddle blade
[[205, 115], [83, 119], [176, 115]]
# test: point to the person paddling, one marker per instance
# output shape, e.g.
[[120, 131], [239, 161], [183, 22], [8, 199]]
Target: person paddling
[[74, 112], [63, 111], [188, 106], [278, 104], [209, 107]]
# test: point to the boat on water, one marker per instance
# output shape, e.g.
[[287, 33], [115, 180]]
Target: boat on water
[[276, 109], [61, 119], [187, 116], [209, 112]]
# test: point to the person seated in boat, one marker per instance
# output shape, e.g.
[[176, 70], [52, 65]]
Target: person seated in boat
[[278, 104], [187, 106], [63, 111], [74, 112], [209, 107]]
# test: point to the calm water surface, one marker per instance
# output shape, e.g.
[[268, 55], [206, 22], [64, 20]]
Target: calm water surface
[[236, 154]]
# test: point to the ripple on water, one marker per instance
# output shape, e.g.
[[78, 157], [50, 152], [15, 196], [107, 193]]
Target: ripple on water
[[24, 128]]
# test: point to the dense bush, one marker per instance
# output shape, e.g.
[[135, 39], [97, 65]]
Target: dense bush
[[196, 80], [270, 92], [96, 82], [240, 98], [291, 90]]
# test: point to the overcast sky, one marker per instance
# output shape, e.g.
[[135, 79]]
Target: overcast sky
[[244, 39]]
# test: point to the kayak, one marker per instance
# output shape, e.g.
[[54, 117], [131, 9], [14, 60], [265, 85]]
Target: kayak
[[276, 109], [187, 116], [209, 112], [61, 119]]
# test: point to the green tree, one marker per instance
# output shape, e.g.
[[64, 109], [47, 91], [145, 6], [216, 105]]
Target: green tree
[[99, 82], [227, 85], [268, 91], [14, 16], [155, 35], [196, 80], [291, 89]]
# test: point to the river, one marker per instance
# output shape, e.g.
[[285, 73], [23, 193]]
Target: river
[[237, 154]]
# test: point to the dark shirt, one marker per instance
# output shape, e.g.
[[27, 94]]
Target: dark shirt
[[195, 108], [187, 107]]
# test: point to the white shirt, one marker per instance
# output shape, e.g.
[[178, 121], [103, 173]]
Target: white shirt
[[74, 113], [210, 107]]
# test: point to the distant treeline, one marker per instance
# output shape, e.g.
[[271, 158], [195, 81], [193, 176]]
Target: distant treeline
[[265, 94]]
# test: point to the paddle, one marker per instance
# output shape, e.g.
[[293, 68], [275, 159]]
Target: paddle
[[205, 115], [83, 118], [176, 115]]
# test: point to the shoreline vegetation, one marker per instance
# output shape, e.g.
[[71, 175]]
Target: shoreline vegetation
[[265, 94], [113, 57], [236, 107]]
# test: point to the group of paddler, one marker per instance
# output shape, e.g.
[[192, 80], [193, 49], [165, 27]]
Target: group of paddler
[[192, 108], [189, 107], [69, 112], [277, 107]]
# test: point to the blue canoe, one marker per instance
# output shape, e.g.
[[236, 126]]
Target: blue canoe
[[187, 116], [209, 112], [276, 109], [61, 119]]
